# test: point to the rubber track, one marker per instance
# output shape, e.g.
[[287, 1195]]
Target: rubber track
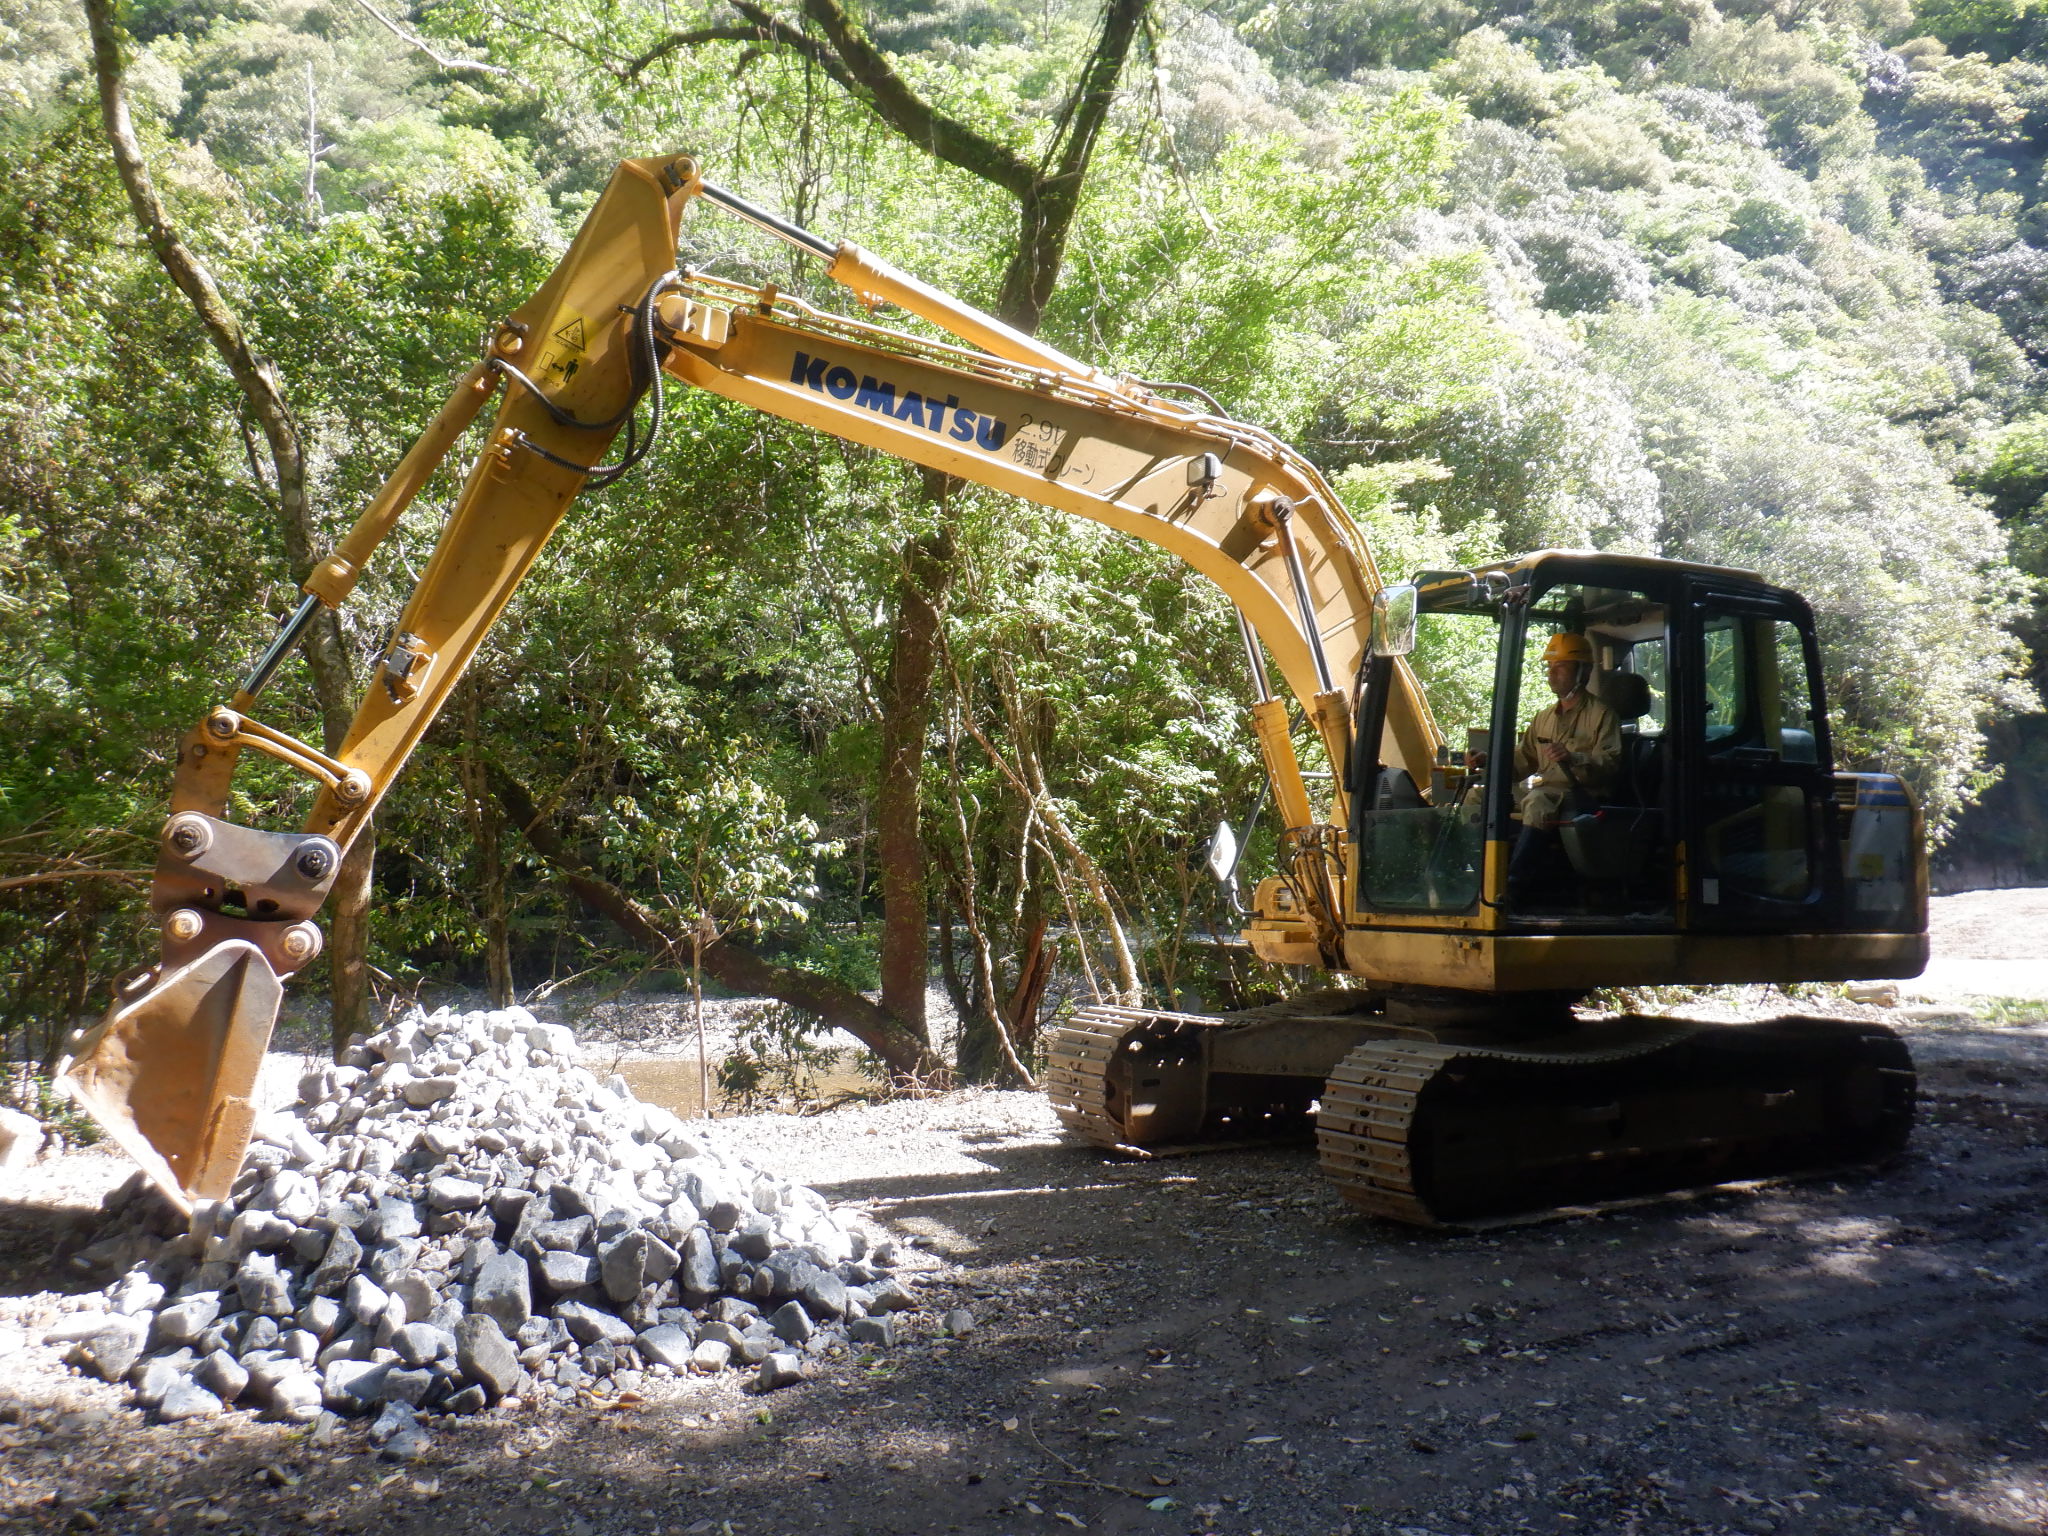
[[1368, 1110], [1077, 1081]]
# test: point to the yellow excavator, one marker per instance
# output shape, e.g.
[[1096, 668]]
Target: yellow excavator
[[1462, 910]]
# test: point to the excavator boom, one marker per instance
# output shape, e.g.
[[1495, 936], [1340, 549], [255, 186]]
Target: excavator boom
[[171, 1070]]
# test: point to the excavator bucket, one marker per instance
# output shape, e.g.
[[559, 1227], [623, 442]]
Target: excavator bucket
[[170, 1073]]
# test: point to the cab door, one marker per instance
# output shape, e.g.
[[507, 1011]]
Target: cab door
[[1760, 836]]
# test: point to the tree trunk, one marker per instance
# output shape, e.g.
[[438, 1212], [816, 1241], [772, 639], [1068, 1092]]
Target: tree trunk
[[349, 944], [486, 828], [899, 836], [1034, 973], [949, 962], [1045, 211], [1047, 192], [497, 916]]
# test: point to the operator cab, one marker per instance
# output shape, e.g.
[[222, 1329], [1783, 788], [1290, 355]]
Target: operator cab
[[1677, 773]]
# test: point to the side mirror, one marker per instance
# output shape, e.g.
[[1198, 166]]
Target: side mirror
[[1223, 852], [1393, 620]]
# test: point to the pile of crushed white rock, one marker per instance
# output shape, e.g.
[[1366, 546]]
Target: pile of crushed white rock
[[458, 1214]]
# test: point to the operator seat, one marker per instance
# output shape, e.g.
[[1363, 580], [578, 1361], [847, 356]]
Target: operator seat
[[1642, 756]]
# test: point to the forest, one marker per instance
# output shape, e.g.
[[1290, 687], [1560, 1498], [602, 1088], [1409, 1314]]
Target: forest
[[1762, 283]]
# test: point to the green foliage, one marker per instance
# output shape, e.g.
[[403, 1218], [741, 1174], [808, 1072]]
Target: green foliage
[[1248, 283], [1998, 28], [2013, 470]]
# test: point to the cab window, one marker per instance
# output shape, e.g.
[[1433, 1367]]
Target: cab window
[[1723, 647], [1420, 843], [1649, 660], [1789, 697], [1759, 694]]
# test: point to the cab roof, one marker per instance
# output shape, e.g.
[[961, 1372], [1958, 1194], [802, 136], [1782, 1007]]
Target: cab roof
[[1657, 563]]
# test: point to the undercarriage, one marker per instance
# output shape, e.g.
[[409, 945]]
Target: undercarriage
[[1422, 1117]]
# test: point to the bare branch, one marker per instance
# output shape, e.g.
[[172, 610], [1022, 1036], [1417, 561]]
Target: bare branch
[[1172, 140], [414, 40], [255, 375], [315, 152], [984, 957], [1047, 195], [1027, 779], [1046, 214], [326, 660], [520, 22], [731, 964], [761, 28], [1095, 92]]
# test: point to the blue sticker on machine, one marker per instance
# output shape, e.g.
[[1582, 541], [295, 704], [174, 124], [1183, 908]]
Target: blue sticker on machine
[[1880, 789]]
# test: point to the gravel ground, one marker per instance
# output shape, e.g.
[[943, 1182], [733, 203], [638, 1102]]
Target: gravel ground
[[1987, 944], [1213, 1344]]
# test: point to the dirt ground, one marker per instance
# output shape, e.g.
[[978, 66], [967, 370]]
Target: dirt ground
[[1212, 1344], [1987, 944]]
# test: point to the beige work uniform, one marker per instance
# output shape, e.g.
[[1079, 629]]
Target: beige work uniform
[[1590, 733]]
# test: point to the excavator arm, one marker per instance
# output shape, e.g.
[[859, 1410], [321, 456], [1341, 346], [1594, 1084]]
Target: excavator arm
[[171, 1071]]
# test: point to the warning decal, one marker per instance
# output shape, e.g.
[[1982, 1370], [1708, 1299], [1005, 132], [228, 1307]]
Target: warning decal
[[564, 355]]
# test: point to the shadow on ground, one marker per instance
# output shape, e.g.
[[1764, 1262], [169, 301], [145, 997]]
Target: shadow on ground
[[1214, 1344]]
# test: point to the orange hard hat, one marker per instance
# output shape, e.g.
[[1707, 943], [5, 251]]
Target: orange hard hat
[[1572, 648]]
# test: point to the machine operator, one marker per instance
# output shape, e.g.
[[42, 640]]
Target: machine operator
[[1565, 761]]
